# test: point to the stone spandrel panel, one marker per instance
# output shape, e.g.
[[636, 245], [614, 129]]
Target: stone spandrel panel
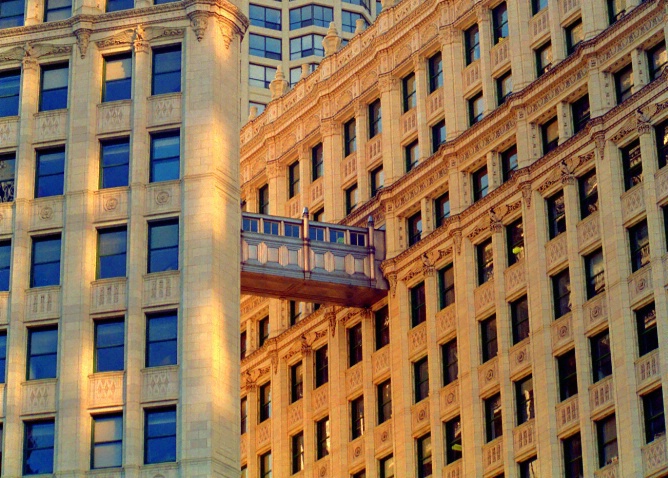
[[562, 333], [633, 203], [42, 303], [661, 184], [374, 148], [640, 284], [111, 204], [160, 383], [488, 375], [595, 313], [243, 445], [524, 439], [50, 126], [163, 197], [515, 278], [648, 370], [263, 434], [453, 470], [602, 396], [500, 55], [2, 400], [540, 25], [38, 396], [655, 456], [408, 123], [6, 217], [420, 416], [321, 469], [484, 297], [320, 398], [349, 167], [449, 396], [556, 252], [380, 362], [589, 231], [9, 129], [105, 389], [4, 308], [435, 104], [354, 378], [520, 358], [356, 451], [47, 213], [417, 340], [382, 437], [492, 455], [295, 414], [108, 295], [114, 117], [164, 470], [162, 288], [568, 8], [471, 76], [164, 110], [608, 471], [568, 415]]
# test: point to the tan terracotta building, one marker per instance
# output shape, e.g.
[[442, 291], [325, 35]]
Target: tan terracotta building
[[514, 153]]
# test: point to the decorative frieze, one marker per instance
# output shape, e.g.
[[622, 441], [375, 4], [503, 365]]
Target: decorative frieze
[[484, 297], [568, 415], [39, 396], [114, 117], [449, 396], [160, 383], [42, 303], [164, 110], [108, 295], [524, 439], [602, 396], [162, 288], [648, 370], [562, 333], [492, 455], [105, 389], [50, 126], [589, 232], [633, 203]]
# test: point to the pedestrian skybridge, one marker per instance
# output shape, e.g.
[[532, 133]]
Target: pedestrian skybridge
[[310, 261]]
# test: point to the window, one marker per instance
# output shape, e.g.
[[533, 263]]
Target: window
[[306, 45], [116, 5], [648, 338], [265, 465], [295, 75], [616, 10], [384, 401], [357, 417], [161, 339], [297, 452], [266, 47], [573, 456], [310, 15], [111, 252], [45, 267], [317, 165], [438, 135], [355, 344], [639, 245], [386, 467], [450, 362], [472, 44], [10, 86], [244, 472], [50, 173], [658, 59], [166, 76], [382, 320], [377, 180], [109, 345], [321, 366], [264, 396], [352, 197], [375, 123], [296, 382], [11, 13], [595, 273], [588, 185], [243, 345], [538, 6], [543, 58], [550, 135], [107, 441], [606, 431], [424, 456], [504, 87], [493, 422], [453, 440], [42, 353], [476, 108], [515, 241], [561, 291], [435, 72], [480, 181], [418, 305], [263, 199], [446, 286], [556, 214], [412, 155], [350, 137], [661, 132], [655, 424], [55, 10], [165, 156], [421, 377], [488, 338], [408, 90], [260, 106], [243, 408], [574, 36], [38, 443], [117, 84], [524, 397], [568, 377], [349, 21], [263, 331], [361, 3], [624, 83], [632, 165], [3, 368], [528, 468], [519, 313], [601, 363], [322, 437], [159, 435], [581, 113], [414, 224], [163, 246], [114, 163], [5, 264], [500, 22], [265, 17], [294, 307], [485, 259], [293, 179], [509, 162], [260, 75]]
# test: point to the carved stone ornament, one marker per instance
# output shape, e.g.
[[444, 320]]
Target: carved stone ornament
[[457, 240], [126, 37], [495, 223], [83, 38], [227, 30], [567, 176], [331, 319], [599, 138], [332, 41], [525, 187], [392, 278], [199, 20]]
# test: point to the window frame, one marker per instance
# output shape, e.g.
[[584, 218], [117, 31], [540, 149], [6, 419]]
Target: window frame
[[112, 143], [26, 451], [594, 286], [489, 339], [150, 269], [349, 137], [480, 183], [409, 92], [357, 417], [382, 327], [55, 91], [588, 199], [653, 420], [485, 261], [581, 113], [95, 443], [122, 256], [106, 347], [165, 87], [33, 265], [558, 294], [384, 395], [418, 304], [421, 379], [118, 57], [524, 398], [375, 118], [648, 338], [450, 361], [172, 341], [639, 245], [521, 325], [355, 344], [567, 375], [493, 417], [51, 183], [624, 83], [435, 70], [147, 414], [446, 288], [471, 44], [52, 371]]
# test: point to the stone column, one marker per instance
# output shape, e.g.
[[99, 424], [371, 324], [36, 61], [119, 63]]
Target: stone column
[[390, 100], [456, 116], [565, 121], [594, 17], [421, 94], [640, 68], [485, 29], [361, 113], [332, 145], [521, 58]]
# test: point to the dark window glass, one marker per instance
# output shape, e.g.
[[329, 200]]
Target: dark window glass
[[538, 6], [472, 44], [111, 252], [414, 224], [45, 267], [543, 58], [349, 21], [386, 465], [296, 382], [581, 113], [550, 134], [297, 452], [50, 172], [442, 208], [382, 319], [446, 286], [632, 165], [5, 264], [3, 365], [509, 162], [418, 305], [264, 400], [519, 313], [349, 137], [109, 345], [243, 345], [574, 36], [361, 3], [163, 246], [263, 199], [265, 465], [244, 415], [476, 108], [515, 239], [489, 339], [11, 13], [107, 441], [573, 467], [658, 59], [500, 22], [55, 10], [661, 132], [524, 397], [568, 376], [357, 417], [161, 339], [352, 198], [116, 5], [493, 422], [166, 76], [42, 353], [504, 87], [377, 180], [317, 164], [293, 179], [322, 437], [408, 91], [295, 311], [114, 163], [595, 273], [375, 123], [310, 15], [624, 83], [648, 338], [450, 362], [453, 440], [321, 366], [421, 378], [528, 468], [606, 431], [261, 75], [601, 363], [304, 46], [438, 135], [412, 155], [384, 401], [480, 183], [38, 445], [53, 93], [556, 214], [7, 176], [263, 331], [424, 456], [655, 424], [561, 291], [117, 83], [264, 17], [435, 72], [639, 245], [355, 344], [485, 259], [165, 156], [159, 435], [10, 85], [616, 10], [588, 185]]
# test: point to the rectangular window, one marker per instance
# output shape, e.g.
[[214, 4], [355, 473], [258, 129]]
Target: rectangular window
[[266, 47], [568, 377], [354, 344], [384, 391], [524, 397], [438, 135], [435, 63], [117, 83], [243, 415], [377, 177], [414, 225], [161, 339], [166, 77], [243, 345], [55, 10], [382, 320], [264, 397], [616, 10], [489, 339], [543, 58], [648, 338], [424, 456], [655, 424], [293, 179], [349, 21], [111, 252], [352, 198], [260, 75], [322, 437], [310, 15], [446, 286], [588, 186], [165, 156], [509, 162], [38, 445], [263, 331], [418, 305], [42, 353], [472, 44], [386, 467], [297, 452], [493, 422], [117, 5], [624, 83], [317, 162], [375, 123], [350, 137], [5, 264], [476, 108], [265, 465], [515, 241], [556, 214], [109, 345], [294, 307], [453, 440], [519, 313], [595, 273], [163, 246], [573, 467], [45, 266], [639, 245], [657, 59], [485, 260], [264, 17], [304, 46], [550, 135], [441, 209], [661, 132], [408, 90], [529, 468], [11, 13], [504, 87], [263, 199], [114, 163], [606, 431], [601, 363], [159, 435], [50, 172], [3, 369], [357, 417], [296, 382], [10, 85], [538, 6], [450, 362], [107, 441], [411, 155], [632, 165], [561, 291], [500, 22], [321, 366], [581, 113], [574, 36], [421, 378], [480, 181]]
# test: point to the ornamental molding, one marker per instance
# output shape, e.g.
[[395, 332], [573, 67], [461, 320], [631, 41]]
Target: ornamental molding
[[34, 51], [199, 20], [83, 38], [139, 35]]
